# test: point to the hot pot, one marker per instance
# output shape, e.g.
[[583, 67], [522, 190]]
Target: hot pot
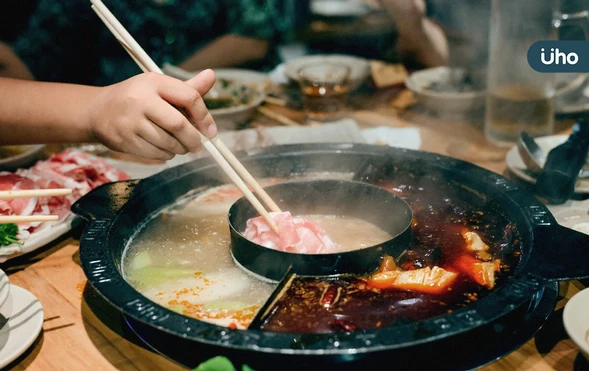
[[549, 252]]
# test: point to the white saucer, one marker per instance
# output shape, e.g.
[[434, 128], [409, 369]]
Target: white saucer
[[576, 320], [25, 322], [339, 8], [4, 292], [240, 74], [516, 164]]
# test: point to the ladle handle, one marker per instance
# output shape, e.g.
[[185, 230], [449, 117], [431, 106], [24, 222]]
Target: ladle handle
[[559, 253], [104, 202]]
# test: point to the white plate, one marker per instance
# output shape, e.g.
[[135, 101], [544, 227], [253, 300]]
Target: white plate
[[576, 320], [517, 166], [227, 73], [25, 315], [359, 67], [339, 8], [38, 239], [4, 292]]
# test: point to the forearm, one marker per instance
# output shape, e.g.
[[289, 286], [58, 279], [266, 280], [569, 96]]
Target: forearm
[[227, 51], [36, 112], [425, 42], [11, 65]]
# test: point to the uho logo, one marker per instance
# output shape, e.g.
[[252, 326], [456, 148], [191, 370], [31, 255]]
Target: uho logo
[[558, 57]]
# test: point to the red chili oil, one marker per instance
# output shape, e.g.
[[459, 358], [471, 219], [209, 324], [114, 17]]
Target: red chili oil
[[442, 212]]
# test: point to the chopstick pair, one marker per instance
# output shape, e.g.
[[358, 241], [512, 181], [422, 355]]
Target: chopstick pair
[[31, 193], [224, 157]]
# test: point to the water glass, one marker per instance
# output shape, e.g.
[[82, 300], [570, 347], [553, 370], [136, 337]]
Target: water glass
[[519, 98], [324, 88]]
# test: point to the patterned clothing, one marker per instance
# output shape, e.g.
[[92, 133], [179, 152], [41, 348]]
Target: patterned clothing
[[65, 40]]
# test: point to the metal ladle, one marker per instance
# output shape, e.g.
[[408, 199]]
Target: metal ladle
[[533, 156]]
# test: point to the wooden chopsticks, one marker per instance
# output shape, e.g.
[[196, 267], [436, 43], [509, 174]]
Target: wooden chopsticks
[[6, 219], [220, 153], [31, 193]]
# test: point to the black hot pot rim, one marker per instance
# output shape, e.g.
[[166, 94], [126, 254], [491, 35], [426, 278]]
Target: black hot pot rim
[[549, 251]]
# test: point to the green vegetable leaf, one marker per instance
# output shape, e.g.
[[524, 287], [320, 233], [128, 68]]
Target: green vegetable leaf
[[154, 276], [220, 364], [216, 364], [8, 234]]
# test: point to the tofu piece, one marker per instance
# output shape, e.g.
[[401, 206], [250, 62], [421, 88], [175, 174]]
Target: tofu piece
[[474, 243], [482, 273], [434, 280]]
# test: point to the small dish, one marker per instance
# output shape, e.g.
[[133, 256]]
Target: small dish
[[359, 67], [339, 8], [4, 292], [241, 74], [25, 322], [232, 102], [576, 320], [435, 89], [23, 156], [517, 166], [244, 88]]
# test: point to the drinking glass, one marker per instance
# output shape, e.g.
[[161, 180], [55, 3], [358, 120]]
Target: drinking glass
[[519, 98], [325, 90]]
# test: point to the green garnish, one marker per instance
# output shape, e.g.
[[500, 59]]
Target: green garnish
[[220, 364], [8, 234], [225, 83]]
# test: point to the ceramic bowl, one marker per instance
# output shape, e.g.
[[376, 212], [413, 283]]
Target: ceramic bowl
[[359, 68], [576, 320], [444, 100], [28, 155]]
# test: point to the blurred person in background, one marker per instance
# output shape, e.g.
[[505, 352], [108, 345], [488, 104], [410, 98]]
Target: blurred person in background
[[419, 38], [65, 41], [396, 31], [14, 15]]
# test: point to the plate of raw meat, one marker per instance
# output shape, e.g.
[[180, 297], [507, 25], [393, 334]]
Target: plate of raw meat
[[68, 169]]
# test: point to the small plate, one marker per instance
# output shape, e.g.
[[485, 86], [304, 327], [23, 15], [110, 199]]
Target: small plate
[[517, 166], [450, 99], [245, 87], [240, 74], [4, 292], [25, 315], [339, 8], [576, 320], [359, 67]]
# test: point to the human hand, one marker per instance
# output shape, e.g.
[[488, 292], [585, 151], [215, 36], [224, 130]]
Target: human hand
[[142, 115]]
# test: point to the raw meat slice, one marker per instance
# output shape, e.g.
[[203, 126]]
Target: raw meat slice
[[296, 235]]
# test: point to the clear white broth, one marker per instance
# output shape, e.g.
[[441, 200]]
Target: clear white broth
[[181, 258]]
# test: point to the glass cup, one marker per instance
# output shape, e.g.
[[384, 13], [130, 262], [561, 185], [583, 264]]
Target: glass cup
[[324, 88], [519, 98]]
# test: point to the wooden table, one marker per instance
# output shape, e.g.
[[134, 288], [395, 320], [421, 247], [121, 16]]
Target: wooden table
[[82, 332]]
